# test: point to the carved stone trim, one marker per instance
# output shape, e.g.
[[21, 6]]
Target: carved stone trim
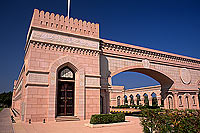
[[37, 84], [146, 63], [63, 39], [146, 53], [63, 48]]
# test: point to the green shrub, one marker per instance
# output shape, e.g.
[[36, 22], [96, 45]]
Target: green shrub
[[107, 118], [158, 120]]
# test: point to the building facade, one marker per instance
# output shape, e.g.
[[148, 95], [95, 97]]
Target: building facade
[[67, 70]]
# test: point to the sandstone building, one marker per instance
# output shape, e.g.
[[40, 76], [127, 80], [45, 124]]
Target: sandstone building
[[67, 71]]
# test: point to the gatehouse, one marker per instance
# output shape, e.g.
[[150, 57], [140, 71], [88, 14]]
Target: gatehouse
[[68, 68]]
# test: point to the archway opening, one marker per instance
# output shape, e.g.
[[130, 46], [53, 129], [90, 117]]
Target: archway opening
[[146, 99], [154, 99], [65, 91], [138, 99], [125, 100], [170, 99], [131, 99], [187, 102], [118, 101], [146, 79]]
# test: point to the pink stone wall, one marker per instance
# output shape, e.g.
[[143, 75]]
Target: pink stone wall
[[92, 102]]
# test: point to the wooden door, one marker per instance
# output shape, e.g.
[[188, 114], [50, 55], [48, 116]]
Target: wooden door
[[65, 99]]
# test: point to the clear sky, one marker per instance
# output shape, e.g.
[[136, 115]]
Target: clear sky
[[167, 25]]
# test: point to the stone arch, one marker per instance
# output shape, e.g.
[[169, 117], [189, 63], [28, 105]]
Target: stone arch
[[187, 100], [146, 99], [138, 98], [154, 99], [125, 100], [163, 78], [166, 81], [131, 99], [79, 85], [193, 100]]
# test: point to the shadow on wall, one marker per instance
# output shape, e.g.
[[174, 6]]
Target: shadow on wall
[[104, 71]]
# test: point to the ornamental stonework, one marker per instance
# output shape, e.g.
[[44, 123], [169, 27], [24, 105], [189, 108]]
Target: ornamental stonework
[[64, 39], [146, 63], [185, 75]]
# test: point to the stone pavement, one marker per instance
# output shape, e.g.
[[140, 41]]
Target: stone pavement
[[5, 121], [77, 127]]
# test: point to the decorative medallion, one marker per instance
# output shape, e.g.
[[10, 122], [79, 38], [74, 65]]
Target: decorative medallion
[[146, 63], [185, 75]]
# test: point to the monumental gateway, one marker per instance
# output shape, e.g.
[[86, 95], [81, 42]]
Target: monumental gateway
[[68, 68]]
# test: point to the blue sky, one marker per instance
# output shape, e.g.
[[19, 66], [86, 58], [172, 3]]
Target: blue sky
[[168, 25]]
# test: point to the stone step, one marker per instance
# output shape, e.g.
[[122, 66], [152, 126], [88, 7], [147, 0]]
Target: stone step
[[67, 118]]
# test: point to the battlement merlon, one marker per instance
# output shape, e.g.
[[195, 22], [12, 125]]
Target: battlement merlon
[[50, 21]]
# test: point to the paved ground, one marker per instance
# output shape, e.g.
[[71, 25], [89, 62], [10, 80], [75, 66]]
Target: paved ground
[[5, 121], [77, 127]]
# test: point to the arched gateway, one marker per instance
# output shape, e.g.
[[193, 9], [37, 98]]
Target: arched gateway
[[67, 71]]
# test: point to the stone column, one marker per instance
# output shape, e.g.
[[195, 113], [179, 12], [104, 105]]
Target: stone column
[[142, 100], [135, 100], [184, 102], [129, 100], [150, 101], [175, 99], [109, 81], [190, 101], [107, 101], [159, 101], [197, 100]]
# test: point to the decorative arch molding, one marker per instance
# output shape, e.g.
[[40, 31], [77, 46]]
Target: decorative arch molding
[[170, 104], [74, 65], [129, 68], [163, 78], [79, 85], [187, 100]]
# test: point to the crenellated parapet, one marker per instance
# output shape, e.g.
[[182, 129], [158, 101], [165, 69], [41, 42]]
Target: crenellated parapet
[[56, 22]]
